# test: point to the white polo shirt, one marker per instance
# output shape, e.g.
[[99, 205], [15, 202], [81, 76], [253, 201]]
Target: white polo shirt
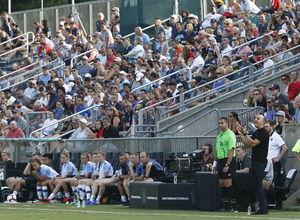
[[275, 145]]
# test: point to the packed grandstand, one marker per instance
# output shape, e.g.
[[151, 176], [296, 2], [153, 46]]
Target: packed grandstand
[[71, 85]]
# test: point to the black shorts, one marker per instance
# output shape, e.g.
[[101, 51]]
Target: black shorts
[[231, 171], [30, 180]]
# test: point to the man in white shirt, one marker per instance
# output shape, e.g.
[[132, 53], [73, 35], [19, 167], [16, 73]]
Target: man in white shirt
[[268, 64], [209, 16], [249, 7], [198, 62], [64, 49], [277, 149]]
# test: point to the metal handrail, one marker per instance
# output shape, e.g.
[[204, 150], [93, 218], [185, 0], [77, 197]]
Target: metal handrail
[[244, 44], [164, 77], [79, 55], [25, 73], [146, 28], [18, 70], [26, 45], [71, 116], [193, 121]]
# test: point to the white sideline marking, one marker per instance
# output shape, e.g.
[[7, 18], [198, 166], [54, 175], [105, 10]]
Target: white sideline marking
[[141, 213]]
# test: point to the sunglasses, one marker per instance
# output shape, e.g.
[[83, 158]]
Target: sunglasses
[[181, 75], [91, 91], [169, 63], [283, 79], [226, 23], [255, 94], [230, 116], [126, 106], [218, 73]]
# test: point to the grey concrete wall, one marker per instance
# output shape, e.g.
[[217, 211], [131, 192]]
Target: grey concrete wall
[[291, 134]]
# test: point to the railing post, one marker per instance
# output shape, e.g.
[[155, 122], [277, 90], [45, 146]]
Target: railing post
[[25, 24], [27, 125], [91, 17], [176, 7], [181, 101], [251, 73], [57, 19], [108, 12], [141, 121]]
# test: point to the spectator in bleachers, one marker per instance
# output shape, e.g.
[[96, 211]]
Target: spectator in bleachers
[[226, 61], [219, 85], [249, 7], [212, 15], [110, 131], [113, 114], [19, 119], [296, 106], [7, 24], [294, 87], [190, 34], [59, 110], [270, 113], [101, 19], [259, 99], [137, 51], [179, 33], [280, 120], [9, 98], [276, 94], [159, 29], [221, 7], [231, 10], [15, 131], [263, 26], [226, 49], [280, 106], [286, 79], [82, 106], [53, 97]]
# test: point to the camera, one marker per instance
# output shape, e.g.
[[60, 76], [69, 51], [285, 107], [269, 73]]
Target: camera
[[187, 165]]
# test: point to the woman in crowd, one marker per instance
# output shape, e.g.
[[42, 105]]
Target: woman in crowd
[[113, 114], [213, 44], [250, 97], [81, 38], [227, 64], [99, 129], [84, 132], [163, 46], [185, 18], [153, 96], [128, 46], [234, 122], [220, 84], [3, 38], [37, 27], [190, 34], [159, 29], [286, 79], [137, 51], [46, 29], [272, 23], [242, 50]]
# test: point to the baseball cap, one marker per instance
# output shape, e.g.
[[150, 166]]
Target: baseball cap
[[62, 23], [275, 33], [68, 97], [45, 68], [38, 102], [274, 86], [213, 20], [87, 75], [156, 51], [83, 120], [280, 113], [155, 85], [211, 49], [278, 102], [229, 29], [139, 76], [123, 73], [42, 88], [281, 32], [97, 59], [117, 59], [115, 8], [19, 100], [179, 85], [84, 58]]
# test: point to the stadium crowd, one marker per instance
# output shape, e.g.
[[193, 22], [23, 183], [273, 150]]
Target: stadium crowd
[[113, 76]]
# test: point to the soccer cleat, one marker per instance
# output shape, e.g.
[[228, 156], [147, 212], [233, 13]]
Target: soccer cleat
[[88, 202], [95, 203], [67, 200], [127, 203], [120, 203]]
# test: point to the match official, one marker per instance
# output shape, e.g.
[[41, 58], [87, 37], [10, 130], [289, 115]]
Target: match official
[[226, 164]]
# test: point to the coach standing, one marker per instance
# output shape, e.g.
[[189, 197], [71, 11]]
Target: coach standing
[[259, 143], [226, 164]]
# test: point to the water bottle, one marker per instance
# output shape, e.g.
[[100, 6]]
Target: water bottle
[[3, 135], [83, 204], [76, 172], [78, 204], [249, 209], [117, 173], [175, 179]]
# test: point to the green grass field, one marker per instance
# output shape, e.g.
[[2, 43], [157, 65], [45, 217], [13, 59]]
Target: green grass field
[[66, 212]]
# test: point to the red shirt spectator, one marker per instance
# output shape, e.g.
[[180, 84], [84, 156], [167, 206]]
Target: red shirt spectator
[[48, 49], [15, 132], [294, 87]]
